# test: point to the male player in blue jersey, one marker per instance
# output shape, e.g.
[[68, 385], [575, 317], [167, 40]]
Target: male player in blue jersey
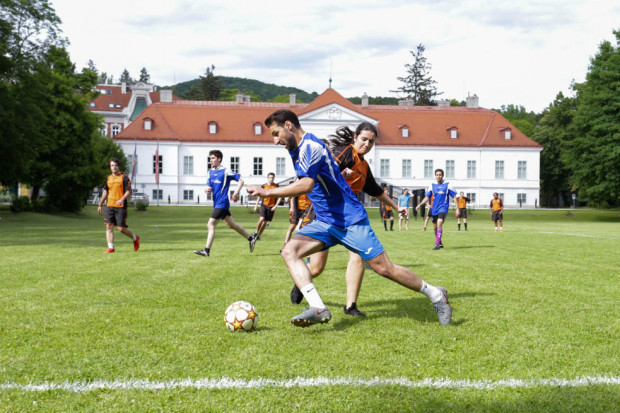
[[340, 219], [442, 192], [217, 184]]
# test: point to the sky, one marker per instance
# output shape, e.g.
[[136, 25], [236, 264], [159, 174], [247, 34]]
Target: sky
[[506, 52]]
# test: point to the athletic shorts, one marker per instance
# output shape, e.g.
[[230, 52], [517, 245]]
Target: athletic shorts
[[359, 238], [497, 215], [115, 216], [220, 213], [266, 212], [388, 214], [463, 212], [441, 215], [296, 215]]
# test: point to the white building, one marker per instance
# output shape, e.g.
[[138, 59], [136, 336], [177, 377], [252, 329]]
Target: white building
[[479, 150]]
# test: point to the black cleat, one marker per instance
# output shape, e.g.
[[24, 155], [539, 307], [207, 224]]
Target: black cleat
[[353, 311], [204, 253], [437, 247], [296, 295], [252, 242]]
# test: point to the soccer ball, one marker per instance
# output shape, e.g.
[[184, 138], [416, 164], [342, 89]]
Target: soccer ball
[[242, 316]]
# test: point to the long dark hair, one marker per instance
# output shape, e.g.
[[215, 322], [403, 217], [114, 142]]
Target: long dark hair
[[345, 136]]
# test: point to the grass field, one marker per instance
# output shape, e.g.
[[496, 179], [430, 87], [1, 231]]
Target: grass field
[[535, 327]]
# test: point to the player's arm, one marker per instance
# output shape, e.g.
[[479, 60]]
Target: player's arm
[[273, 208], [104, 197], [386, 199], [235, 195], [422, 202], [501, 206], [301, 186], [491, 208]]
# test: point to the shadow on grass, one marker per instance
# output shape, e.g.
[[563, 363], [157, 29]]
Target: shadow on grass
[[472, 246]]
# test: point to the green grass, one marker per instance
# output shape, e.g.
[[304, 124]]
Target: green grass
[[538, 301]]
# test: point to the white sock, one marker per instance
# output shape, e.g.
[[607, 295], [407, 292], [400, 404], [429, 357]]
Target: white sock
[[312, 296], [135, 237], [110, 245], [433, 293]]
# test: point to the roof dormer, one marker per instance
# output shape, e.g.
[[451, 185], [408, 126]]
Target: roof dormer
[[212, 127], [258, 128], [454, 131], [148, 124], [506, 132], [404, 131]]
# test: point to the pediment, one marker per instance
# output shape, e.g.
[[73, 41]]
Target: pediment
[[335, 113]]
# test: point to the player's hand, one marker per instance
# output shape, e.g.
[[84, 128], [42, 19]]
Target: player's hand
[[120, 202], [273, 208], [417, 208], [403, 211], [346, 172], [255, 190], [235, 197], [99, 210]]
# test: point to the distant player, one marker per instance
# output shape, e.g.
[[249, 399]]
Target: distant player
[[443, 192], [218, 183], [403, 202], [267, 208], [340, 219], [461, 209], [297, 206], [429, 213], [116, 190], [496, 210], [387, 213]]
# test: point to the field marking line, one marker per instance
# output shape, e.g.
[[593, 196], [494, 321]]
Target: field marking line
[[576, 235], [232, 383]]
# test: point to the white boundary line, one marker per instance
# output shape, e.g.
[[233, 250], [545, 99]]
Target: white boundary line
[[231, 383]]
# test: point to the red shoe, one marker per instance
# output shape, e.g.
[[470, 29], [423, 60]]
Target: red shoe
[[109, 251], [136, 243]]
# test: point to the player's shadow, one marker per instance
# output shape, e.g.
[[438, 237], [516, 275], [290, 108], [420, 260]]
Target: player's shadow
[[472, 246]]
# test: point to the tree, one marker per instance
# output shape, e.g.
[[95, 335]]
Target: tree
[[418, 84], [144, 76], [594, 153], [210, 84], [519, 117], [125, 77]]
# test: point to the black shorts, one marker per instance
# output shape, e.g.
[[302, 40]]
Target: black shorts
[[220, 213], [115, 216], [388, 214], [441, 215], [296, 215], [463, 212], [266, 212], [497, 215]]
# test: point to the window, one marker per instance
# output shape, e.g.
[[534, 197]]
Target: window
[[188, 165], [158, 163], [148, 124], [507, 134], [500, 195], [212, 127], [384, 170], [158, 194], [449, 169], [404, 132], [499, 169], [521, 199], [280, 166], [428, 168], [472, 197], [453, 133], [111, 105], [258, 129], [188, 195], [406, 171], [234, 164], [258, 165], [522, 170], [471, 169], [92, 104], [116, 129], [208, 163]]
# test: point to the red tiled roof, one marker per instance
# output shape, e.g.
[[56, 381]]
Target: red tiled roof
[[103, 101], [188, 121]]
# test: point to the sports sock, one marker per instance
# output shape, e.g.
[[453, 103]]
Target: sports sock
[[385, 224], [433, 293], [466, 226], [312, 296], [438, 236], [208, 250], [135, 237], [391, 225], [459, 227], [110, 245]]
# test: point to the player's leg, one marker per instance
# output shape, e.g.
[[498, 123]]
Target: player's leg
[[400, 223], [440, 222], [259, 224], [392, 223], [354, 277], [211, 224], [316, 263], [109, 236], [233, 225], [407, 223]]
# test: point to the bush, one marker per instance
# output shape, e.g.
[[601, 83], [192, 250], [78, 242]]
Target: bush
[[21, 204], [41, 205], [141, 205]]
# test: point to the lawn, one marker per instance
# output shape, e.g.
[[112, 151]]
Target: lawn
[[535, 325]]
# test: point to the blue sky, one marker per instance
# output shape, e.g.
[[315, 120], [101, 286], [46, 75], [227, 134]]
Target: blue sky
[[506, 52]]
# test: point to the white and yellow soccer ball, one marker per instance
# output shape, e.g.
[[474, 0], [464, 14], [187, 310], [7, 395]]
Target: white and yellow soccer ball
[[241, 316]]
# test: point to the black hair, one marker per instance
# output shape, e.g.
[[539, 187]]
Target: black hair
[[115, 160], [218, 154], [279, 117], [440, 170], [271, 173], [345, 136]]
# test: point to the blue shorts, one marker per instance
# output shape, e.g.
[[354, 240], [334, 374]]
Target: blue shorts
[[359, 238]]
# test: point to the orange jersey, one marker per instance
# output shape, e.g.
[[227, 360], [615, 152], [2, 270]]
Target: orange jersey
[[269, 201], [361, 179], [462, 202], [303, 202], [497, 204], [117, 185]]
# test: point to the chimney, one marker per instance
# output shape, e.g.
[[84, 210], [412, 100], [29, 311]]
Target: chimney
[[405, 102], [364, 100], [472, 102], [292, 98], [124, 88], [165, 96], [443, 102]]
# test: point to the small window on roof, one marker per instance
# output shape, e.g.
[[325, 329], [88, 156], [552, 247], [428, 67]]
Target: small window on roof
[[454, 133], [258, 128], [212, 127], [111, 105], [118, 106], [92, 104], [507, 134], [148, 124], [404, 131]]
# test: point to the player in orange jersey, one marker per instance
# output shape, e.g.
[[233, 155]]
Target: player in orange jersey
[[496, 210], [116, 190], [268, 206], [461, 209]]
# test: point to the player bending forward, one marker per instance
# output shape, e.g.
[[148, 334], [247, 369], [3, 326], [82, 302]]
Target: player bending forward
[[340, 219]]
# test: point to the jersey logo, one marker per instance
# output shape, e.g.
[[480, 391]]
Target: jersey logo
[[368, 250]]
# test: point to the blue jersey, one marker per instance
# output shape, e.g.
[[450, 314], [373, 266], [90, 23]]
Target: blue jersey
[[443, 192], [219, 181], [333, 200], [403, 200]]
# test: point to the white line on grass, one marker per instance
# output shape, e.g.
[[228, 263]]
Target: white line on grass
[[576, 235], [230, 383]]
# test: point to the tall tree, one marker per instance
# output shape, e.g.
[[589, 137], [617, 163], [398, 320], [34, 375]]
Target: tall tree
[[594, 153], [517, 115], [125, 77], [144, 76], [419, 85], [210, 84]]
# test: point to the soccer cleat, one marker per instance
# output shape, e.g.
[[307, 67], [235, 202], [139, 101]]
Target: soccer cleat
[[437, 247], [440, 245], [296, 295], [136, 244], [310, 316], [443, 308], [204, 253], [353, 311], [252, 242], [110, 250], [495, 229]]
